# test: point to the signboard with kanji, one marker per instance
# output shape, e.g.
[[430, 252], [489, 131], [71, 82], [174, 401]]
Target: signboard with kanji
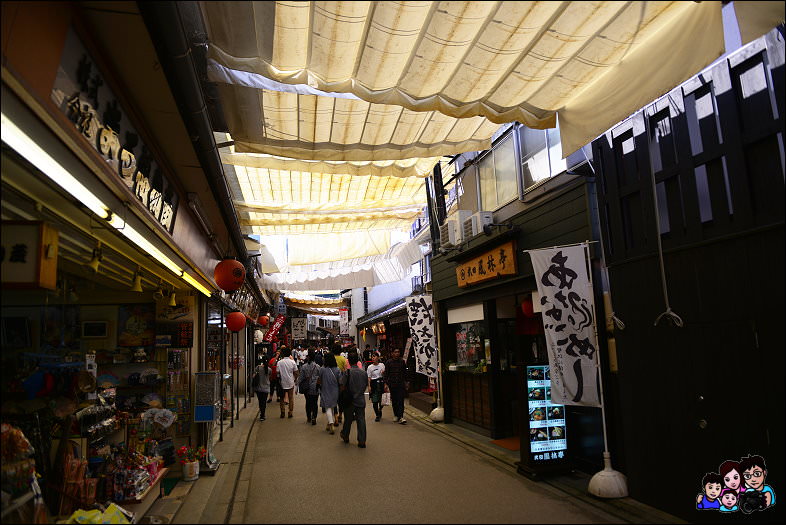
[[495, 263], [28, 255]]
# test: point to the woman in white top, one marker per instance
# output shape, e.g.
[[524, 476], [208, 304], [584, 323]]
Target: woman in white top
[[376, 384]]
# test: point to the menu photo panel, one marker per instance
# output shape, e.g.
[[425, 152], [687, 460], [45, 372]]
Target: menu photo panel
[[547, 429]]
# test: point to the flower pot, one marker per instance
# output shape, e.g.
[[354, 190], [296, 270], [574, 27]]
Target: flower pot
[[190, 470]]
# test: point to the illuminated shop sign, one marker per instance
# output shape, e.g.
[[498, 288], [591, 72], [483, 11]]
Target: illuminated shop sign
[[81, 93], [547, 430]]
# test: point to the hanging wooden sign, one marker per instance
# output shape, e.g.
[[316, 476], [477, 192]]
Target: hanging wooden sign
[[497, 262], [29, 255]]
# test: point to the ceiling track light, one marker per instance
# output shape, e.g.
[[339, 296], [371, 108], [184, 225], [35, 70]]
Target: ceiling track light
[[137, 284], [159, 293], [172, 301], [95, 261]]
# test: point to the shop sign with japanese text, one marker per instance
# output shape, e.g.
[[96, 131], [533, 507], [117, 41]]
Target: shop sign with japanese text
[[277, 324], [28, 255], [498, 262], [81, 93]]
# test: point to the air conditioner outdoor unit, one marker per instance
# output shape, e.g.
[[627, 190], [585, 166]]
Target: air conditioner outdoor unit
[[474, 224], [450, 233]]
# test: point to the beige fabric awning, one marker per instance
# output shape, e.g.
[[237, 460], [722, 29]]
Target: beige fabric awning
[[416, 167], [296, 202], [593, 63], [312, 127]]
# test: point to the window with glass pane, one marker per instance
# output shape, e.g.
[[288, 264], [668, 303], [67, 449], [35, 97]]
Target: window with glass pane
[[505, 171], [488, 186], [556, 163], [534, 156], [498, 182]]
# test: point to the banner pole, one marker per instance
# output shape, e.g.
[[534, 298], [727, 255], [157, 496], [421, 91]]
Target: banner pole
[[608, 483]]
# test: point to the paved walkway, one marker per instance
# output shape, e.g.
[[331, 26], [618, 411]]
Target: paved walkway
[[288, 471]]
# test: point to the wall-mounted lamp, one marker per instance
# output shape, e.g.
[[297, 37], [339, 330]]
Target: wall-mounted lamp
[[172, 301], [488, 228]]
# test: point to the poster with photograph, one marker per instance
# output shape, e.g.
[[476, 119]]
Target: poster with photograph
[[136, 324], [548, 441], [60, 327]]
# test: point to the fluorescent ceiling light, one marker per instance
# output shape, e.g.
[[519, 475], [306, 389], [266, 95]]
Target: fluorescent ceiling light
[[25, 146], [143, 243], [196, 284]]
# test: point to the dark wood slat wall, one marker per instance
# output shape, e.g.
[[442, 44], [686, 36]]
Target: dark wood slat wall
[[715, 148]]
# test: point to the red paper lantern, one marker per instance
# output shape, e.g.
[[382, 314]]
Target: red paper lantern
[[263, 320], [236, 321], [526, 307], [230, 274]]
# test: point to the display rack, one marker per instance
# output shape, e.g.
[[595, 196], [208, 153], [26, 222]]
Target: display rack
[[178, 398], [214, 346]]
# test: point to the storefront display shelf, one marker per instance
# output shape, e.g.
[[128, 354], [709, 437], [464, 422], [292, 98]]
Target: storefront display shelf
[[142, 496]]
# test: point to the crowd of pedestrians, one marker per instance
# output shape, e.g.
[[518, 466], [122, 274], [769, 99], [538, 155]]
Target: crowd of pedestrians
[[337, 380]]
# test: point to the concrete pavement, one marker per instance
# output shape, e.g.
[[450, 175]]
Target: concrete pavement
[[288, 471]]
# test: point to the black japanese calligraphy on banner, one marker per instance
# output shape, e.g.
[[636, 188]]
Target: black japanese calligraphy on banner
[[420, 313], [567, 302], [81, 93]]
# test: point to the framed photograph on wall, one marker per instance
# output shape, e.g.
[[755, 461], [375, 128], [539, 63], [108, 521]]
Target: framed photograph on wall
[[95, 329], [15, 332]]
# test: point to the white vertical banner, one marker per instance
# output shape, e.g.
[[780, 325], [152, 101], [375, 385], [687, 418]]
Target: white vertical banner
[[567, 303], [343, 321], [299, 328], [420, 313]]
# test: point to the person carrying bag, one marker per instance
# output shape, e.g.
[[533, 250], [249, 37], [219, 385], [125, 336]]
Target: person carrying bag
[[309, 374]]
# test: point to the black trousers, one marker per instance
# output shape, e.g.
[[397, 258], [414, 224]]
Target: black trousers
[[311, 406], [397, 393], [262, 396]]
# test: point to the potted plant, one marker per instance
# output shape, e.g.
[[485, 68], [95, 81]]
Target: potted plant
[[189, 458]]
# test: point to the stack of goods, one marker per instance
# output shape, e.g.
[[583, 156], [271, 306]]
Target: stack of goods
[[18, 467], [132, 475]]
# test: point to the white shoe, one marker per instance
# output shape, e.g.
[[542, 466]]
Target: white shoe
[[396, 419], [402, 421]]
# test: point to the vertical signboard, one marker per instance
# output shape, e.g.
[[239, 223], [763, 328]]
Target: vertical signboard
[[299, 328], [547, 430], [568, 320], [343, 321]]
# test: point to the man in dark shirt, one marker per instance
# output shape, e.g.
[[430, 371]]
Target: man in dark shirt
[[367, 356], [355, 381], [395, 379]]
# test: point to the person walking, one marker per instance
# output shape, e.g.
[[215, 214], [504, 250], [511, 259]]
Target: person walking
[[307, 385], [376, 385], [328, 387], [262, 386], [395, 377], [355, 381], [274, 382], [343, 365], [287, 375]]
